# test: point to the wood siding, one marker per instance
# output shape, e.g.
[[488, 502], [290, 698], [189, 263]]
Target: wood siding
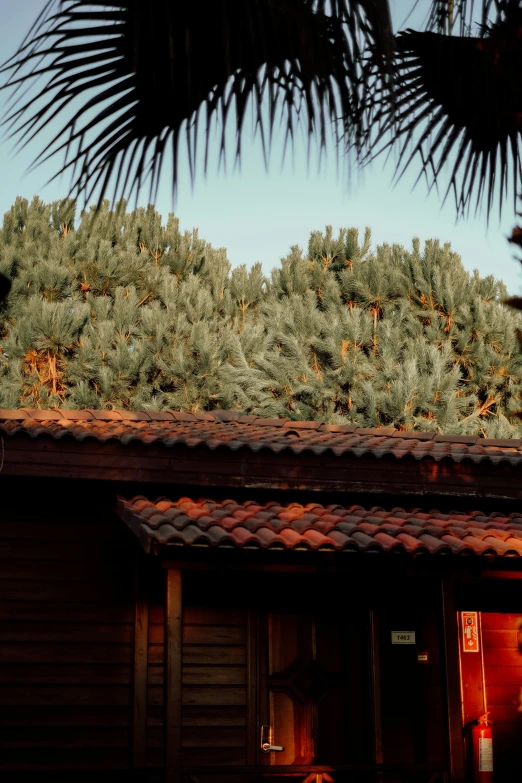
[[503, 678], [214, 692], [68, 660], [414, 725], [66, 640]]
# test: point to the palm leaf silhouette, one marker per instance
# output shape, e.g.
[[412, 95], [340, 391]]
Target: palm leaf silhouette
[[458, 104], [127, 80], [155, 66]]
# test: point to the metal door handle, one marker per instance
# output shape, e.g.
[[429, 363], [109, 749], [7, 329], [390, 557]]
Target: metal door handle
[[266, 740]]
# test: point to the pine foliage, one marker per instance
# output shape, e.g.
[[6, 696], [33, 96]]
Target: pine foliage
[[118, 310]]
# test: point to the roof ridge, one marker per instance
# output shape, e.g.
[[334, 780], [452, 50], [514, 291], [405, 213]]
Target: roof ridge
[[225, 416]]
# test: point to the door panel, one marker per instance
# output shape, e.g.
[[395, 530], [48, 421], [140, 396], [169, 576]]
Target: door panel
[[290, 651], [312, 678]]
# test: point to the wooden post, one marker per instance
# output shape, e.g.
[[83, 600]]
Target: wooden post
[[141, 633], [472, 673], [172, 676], [375, 679], [452, 669]]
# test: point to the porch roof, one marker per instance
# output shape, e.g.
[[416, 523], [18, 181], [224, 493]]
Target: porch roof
[[314, 527], [235, 431]]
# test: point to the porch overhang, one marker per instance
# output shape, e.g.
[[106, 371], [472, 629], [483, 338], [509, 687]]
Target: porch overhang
[[296, 533]]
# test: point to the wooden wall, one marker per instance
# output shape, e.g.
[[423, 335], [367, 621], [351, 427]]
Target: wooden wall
[[215, 696], [214, 677], [503, 678], [67, 630], [66, 637], [497, 597]]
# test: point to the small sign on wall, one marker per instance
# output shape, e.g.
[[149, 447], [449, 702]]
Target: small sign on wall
[[403, 637], [470, 637], [485, 754]]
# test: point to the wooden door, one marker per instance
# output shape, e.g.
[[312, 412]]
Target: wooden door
[[314, 687]]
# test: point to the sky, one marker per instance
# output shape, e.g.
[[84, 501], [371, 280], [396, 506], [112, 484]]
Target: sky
[[258, 215]]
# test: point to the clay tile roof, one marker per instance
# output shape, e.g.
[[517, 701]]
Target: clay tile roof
[[234, 430], [18, 415], [105, 415], [246, 525], [42, 415]]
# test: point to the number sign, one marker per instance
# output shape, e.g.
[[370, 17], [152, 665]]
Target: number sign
[[403, 637]]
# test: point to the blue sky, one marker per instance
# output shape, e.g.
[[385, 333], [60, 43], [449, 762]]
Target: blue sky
[[257, 215]]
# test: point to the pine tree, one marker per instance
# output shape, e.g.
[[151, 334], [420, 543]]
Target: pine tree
[[117, 310]]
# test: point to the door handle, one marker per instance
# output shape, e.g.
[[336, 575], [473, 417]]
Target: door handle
[[266, 740]]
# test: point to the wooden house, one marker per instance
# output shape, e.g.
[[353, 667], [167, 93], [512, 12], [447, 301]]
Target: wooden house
[[179, 590]]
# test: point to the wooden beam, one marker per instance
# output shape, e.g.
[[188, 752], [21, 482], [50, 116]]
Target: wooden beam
[[234, 565], [375, 679], [183, 466], [141, 632], [172, 676], [453, 685]]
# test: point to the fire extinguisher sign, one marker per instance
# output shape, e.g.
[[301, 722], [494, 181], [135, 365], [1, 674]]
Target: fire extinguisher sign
[[470, 638]]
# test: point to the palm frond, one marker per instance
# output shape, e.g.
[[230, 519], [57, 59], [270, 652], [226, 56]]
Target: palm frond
[[459, 16], [458, 103], [135, 76]]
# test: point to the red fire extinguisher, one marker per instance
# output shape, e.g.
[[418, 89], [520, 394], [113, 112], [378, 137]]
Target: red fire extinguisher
[[482, 750]]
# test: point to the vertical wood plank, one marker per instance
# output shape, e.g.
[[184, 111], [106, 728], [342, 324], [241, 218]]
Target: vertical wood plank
[[472, 684], [141, 631], [375, 679], [253, 725], [472, 672], [172, 677], [453, 685]]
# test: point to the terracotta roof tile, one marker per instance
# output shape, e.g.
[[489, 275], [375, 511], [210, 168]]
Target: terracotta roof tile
[[247, 525], [233, 430], [409, 542], [457, 545], [338, 428], [105, 415], [406, 435], [433, 544], [470, 439], [386, 541], [391, 530], [135, 415], [202, 416], [501, 443], [478, 546], [161, 415], [501, 547], [6, 414], [42, 415], [363, 541]]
